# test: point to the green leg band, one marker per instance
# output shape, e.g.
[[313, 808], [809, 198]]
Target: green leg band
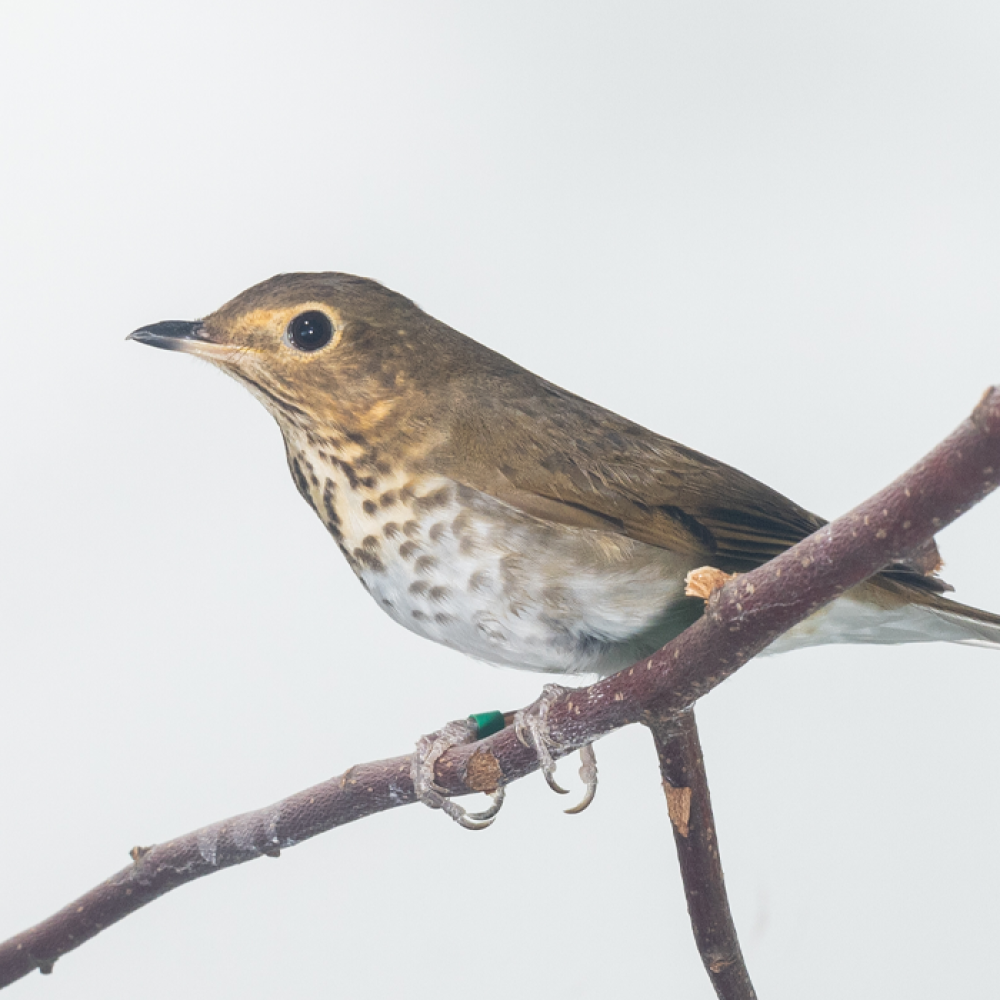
[[487, 723]]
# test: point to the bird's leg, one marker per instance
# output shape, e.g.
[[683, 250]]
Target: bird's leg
[[429, 749], [532, 728]]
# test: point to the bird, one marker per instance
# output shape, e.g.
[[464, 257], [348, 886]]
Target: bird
[[486, 508]]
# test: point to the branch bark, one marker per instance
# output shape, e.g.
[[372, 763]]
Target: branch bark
[[740, 620], [685, 784]]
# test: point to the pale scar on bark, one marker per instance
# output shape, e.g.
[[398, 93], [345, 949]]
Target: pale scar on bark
[[678, 807], [483, 773]]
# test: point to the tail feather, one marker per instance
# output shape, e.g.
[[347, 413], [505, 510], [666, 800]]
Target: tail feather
[[884, 611], [979, 628]]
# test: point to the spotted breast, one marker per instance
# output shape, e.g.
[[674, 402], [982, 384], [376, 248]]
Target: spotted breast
[[464, 569]]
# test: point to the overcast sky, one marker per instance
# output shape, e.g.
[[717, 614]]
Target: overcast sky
[[769, 230]]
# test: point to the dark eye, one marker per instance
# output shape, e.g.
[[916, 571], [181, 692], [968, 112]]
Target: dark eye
[[310, 331]]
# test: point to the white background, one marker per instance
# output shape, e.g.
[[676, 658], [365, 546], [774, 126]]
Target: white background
[[767, 230]]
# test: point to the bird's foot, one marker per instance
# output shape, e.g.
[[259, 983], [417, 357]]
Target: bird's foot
[[532, 728], [429, 749]]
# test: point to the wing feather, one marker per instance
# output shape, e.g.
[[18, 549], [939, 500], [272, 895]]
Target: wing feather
[[578, 464]]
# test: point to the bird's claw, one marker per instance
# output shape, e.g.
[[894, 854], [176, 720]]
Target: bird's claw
[[588, 775], [531, 727], [489, 813], [532, 731], [465, 819], [429, 749]]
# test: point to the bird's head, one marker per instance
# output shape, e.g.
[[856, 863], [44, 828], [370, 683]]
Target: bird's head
[[330, 351]]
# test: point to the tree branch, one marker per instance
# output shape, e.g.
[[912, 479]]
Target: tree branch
[[739, 621], [689, 804]]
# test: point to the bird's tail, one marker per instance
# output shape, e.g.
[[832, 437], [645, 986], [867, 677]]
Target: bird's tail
[[965, 624], [884, 611]]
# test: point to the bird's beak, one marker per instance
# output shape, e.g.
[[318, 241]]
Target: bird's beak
[[182, 335]]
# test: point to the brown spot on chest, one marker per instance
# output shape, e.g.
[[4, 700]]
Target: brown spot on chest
[[330, 517], [425, 564], [366, 554], [301, 484], [355, 481], [434, 500]]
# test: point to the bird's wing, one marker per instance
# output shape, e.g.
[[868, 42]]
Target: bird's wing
[[563, 459]]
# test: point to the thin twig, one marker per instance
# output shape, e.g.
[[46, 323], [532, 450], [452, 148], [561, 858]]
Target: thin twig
[[689, 805], [740, 620]]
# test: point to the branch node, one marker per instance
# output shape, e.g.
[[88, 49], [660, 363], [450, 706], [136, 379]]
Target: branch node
[[705, 581]]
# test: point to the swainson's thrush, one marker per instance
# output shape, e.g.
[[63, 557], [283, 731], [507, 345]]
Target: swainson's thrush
[[490, 510]]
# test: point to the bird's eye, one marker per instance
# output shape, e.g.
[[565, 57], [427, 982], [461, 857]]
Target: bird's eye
[[310, 331]]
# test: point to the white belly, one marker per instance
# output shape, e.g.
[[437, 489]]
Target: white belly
[[504, 587]]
